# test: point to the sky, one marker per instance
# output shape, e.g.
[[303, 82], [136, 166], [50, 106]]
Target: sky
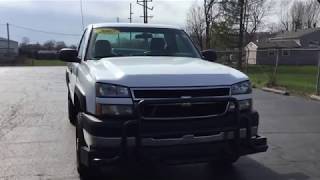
[[63, 16]]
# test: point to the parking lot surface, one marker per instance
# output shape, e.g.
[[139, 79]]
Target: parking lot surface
[[37, 141]]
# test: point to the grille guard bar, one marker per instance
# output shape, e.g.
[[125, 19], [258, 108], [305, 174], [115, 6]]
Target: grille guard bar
[[139, 122], [257, 145]]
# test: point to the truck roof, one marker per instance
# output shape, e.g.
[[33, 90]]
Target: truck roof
[[140, 25]]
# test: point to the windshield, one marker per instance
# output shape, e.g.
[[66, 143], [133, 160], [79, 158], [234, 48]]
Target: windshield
[[125, 41]]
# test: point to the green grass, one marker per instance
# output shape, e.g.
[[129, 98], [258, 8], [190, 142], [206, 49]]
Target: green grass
[[44, 62], [296, 79]]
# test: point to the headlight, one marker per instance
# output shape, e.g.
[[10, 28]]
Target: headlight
[[110, 90], [114, 110], [243, 105], [241, 88]]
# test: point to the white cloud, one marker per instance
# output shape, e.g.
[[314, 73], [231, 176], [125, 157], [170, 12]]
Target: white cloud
[[64, 15], [171, 11]]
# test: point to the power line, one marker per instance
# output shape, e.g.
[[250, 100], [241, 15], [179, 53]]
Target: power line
[[42, 31]]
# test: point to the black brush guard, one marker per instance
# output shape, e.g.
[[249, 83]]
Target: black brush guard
[[253, 145]]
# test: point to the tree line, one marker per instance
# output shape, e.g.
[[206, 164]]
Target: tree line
[[215, 23], [31, 49], [301, 15], [226, 24], [231, 24]]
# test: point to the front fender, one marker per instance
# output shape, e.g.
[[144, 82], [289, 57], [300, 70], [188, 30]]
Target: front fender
[[86, 88], [82, 99]]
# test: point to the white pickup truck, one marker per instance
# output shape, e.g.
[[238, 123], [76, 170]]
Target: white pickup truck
[[146, 93]]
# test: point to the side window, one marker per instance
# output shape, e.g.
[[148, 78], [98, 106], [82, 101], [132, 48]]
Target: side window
[[81, 45], [271, 52], [285, 52]]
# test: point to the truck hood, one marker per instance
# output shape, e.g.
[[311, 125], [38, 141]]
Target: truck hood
[[163, 72]]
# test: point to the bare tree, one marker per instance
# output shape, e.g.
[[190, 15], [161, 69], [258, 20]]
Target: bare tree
[[284, 16], [25, 41], [211, 13], [300, 15], [311, 14], [255, 11], [59, 45], [49, 45], [273, 28], [196, 24], [297, 15]]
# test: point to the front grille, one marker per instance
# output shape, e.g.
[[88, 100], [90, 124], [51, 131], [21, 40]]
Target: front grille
[[183, 110], [178, 93]]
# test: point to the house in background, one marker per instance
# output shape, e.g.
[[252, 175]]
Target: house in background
[[8, 54], [251, 53], [294, 48]]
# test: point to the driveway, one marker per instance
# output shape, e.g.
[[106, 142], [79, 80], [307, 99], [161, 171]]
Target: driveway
[[37, 142]]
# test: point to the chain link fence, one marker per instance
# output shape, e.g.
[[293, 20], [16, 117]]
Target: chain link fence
[[295, 70]]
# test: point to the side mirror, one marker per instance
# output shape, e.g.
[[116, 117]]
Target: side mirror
[[209, 55], [69, 55]]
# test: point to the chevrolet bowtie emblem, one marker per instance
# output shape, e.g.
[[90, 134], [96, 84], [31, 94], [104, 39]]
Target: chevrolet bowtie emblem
[[186, 104], [186, 97]]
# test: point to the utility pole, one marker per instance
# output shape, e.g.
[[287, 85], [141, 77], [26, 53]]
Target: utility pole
[[318, 76], [8, 36], [130, 18], [144, 4], [240, 45], [81, 12]]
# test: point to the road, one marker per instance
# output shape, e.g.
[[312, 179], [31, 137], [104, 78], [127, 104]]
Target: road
[[37, 142]]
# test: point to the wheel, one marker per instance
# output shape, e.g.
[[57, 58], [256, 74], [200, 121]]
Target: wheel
[[85, 172], [72, 111], [230, 160], [225, 161]]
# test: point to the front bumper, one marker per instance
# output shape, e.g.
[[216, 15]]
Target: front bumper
[[192, 140]]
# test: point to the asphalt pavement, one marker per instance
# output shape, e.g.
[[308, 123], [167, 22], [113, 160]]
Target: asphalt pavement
[[37, 142]]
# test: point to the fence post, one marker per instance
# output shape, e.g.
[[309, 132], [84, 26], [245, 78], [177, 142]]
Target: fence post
[[247, 59], [273, 78], [226, 57], [318, 75]]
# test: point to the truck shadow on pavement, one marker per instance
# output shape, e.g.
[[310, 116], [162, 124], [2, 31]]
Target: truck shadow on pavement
[[246, 169]]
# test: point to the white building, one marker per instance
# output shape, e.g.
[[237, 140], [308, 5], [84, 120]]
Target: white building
[[8, 53], [251, 53]]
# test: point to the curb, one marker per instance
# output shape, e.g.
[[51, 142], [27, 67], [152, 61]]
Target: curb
[[315, 97], [277, 91]]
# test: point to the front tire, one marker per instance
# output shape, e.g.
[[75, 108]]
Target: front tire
[[229, 161], [72, 111], [85, 172], [225, 161]]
